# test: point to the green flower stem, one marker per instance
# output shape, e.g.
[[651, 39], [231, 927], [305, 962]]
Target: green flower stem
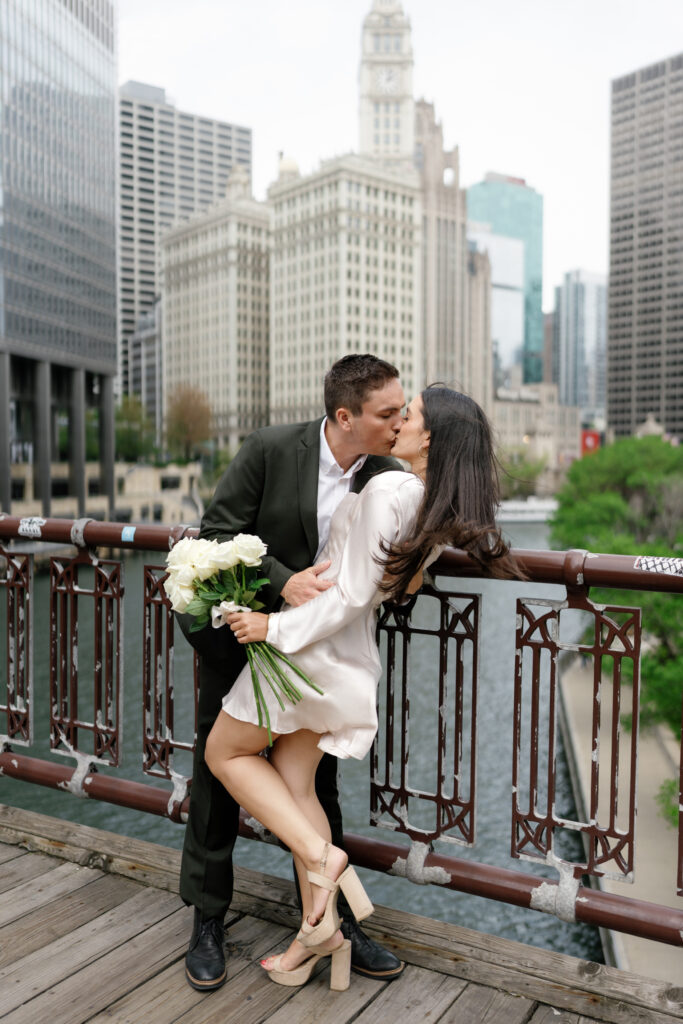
[[272, 680], [295, 668], [293, 691], [258, 695]]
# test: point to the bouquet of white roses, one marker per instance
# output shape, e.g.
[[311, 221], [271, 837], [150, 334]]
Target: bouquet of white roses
[[209, 580]]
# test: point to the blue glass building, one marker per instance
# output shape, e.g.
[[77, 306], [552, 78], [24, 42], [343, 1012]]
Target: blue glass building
[[510, 208], [58, 160]]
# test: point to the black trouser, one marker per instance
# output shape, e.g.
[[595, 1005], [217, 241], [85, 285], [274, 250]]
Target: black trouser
[[206, 876]]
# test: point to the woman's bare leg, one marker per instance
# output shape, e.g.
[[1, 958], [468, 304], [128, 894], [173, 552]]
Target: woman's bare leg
[[281, 795], [295, 757]]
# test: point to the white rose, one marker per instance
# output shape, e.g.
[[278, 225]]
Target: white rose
[[203, 559], [225, 556], [181, 553], [179, 595], [183, 575], [249, 548]]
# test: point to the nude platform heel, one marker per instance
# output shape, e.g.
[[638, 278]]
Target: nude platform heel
[[350, 884], [297, 976], [340, 968]]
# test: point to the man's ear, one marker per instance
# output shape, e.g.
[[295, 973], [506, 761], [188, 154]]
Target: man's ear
[[343, 419]]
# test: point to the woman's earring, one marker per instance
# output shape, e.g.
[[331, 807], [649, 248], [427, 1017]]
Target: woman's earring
[[420, 452]]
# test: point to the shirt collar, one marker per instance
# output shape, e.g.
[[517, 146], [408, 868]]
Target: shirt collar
[[329, 465]]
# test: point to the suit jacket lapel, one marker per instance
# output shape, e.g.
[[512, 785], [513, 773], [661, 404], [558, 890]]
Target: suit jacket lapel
[[308, 462]]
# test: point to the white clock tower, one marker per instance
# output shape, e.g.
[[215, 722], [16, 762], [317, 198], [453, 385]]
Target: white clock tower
[[387, 107]]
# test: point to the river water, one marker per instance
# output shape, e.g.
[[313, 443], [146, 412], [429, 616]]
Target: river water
[[494, 723]]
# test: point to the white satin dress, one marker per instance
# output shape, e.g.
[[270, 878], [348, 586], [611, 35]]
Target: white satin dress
[[332, 637]]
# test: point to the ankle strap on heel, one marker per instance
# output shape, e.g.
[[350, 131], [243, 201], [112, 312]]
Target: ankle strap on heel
[[322, 880]]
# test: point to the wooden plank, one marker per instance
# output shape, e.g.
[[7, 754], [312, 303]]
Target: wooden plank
[[417, 995], [10, 852], [479, 1004], [95, 986], [26, 897], [45, 967], [251, 997], [579, 986], [314, 1002], [64, 915], [550, 1015], [145, 862], [23, 869], [167, 996]]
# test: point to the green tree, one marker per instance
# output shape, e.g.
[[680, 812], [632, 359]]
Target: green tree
[[519, 473], [188, 421], [627, 498], [134, 431]]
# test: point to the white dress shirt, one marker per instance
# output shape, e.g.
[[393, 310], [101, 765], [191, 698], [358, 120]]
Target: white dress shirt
[[333, 485]]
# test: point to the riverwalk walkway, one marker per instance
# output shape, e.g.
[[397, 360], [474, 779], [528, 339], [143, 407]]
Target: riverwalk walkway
[[656, 848], [92, 929]]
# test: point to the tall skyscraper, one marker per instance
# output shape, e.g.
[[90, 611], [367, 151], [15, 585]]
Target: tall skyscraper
[[507, 297], [444, 251], [580, 329], [346, 264], [645, 327], [478, 364], [215, 310], [508, 207], [172, 164], [57, 245], [387, 107]]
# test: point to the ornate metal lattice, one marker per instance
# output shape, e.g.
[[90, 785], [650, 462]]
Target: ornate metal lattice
[[612, 642], [449, 623], [16, 580], [158, 726], [95, 654]]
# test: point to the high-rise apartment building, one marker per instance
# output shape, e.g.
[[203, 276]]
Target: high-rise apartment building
[[172, 164], [215, 310], [508, 207], [346, 266], [645, 326], [387, 106], [580, 329], [57, 249]]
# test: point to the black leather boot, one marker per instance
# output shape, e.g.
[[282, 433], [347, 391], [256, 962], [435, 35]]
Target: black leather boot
[[205, 959]]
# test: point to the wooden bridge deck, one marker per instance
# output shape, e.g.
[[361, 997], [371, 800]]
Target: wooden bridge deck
[[92, 929]]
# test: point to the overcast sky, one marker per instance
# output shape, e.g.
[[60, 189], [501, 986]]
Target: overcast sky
[[521, 87]]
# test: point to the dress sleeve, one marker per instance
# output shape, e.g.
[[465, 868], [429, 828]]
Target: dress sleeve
[[383, 514]]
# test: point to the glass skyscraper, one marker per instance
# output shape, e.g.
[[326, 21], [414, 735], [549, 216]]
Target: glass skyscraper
[[58, 159], [509, 207]]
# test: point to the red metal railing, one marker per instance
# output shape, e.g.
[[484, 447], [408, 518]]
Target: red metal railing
[[445, 814]]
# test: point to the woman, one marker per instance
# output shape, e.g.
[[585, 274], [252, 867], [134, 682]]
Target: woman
[[380, 542]]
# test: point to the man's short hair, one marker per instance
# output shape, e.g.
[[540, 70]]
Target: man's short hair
[[349, 382]]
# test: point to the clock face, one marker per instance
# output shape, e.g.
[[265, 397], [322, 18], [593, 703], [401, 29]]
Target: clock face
[[386, 80]]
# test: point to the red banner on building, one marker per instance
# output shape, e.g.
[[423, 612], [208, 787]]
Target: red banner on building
[[590, 441]]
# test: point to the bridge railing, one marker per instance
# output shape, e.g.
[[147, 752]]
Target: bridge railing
[[86, 595]]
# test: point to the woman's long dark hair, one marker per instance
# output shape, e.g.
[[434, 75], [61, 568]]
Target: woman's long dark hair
[[461, 493]]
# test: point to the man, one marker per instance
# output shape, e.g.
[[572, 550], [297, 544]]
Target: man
[[283, 485]]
